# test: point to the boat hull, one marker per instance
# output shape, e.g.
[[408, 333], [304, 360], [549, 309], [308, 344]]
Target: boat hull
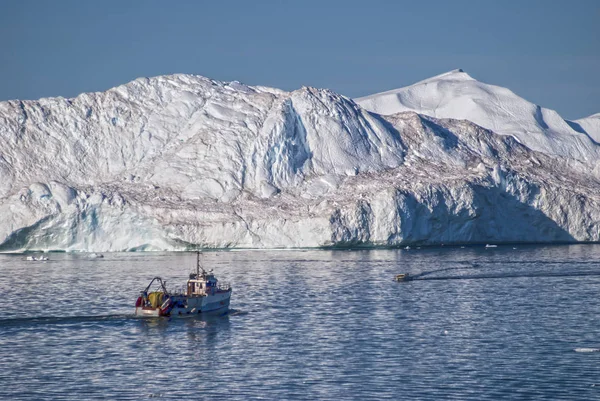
[[184, 306]]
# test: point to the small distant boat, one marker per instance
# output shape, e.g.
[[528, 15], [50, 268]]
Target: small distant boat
[[202, 294], [491, 246], [402, 277]]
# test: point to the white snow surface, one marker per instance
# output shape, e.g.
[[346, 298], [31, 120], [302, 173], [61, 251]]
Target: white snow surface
[[589, 125], [457, 95], [182, 161]]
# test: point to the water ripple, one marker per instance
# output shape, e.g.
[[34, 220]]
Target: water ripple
[[325, 325]]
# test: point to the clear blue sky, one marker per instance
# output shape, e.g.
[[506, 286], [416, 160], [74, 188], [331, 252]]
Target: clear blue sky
[[546, 51]]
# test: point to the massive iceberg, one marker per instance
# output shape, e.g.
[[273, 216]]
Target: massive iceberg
[[182, 161]]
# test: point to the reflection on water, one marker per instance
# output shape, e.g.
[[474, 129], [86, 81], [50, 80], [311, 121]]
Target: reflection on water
[[201, 331], [497, 323]]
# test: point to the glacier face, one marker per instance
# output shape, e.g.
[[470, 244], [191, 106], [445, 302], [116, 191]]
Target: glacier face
[[181, 161]]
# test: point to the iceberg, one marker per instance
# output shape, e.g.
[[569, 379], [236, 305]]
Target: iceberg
[[182, 161]]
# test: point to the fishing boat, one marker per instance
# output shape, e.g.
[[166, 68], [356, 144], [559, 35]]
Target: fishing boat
[[203, 294]]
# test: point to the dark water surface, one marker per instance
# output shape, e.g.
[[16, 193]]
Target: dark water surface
[[497, 323]]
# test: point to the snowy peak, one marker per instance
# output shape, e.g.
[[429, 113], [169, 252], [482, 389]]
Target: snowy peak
[[374, 100], [455, 75], [457, 95], [590, 125]]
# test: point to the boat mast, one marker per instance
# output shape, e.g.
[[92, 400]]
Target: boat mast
[[197, 265]]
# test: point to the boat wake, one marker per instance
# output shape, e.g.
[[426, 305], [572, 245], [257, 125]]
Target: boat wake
[[65, 320], [20, 321], [425, 276], [236, 312]]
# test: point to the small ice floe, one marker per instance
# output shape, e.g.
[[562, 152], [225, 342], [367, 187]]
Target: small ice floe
[[491, 246], [407, 247], [33, 258], [95, 256], [587, 349]]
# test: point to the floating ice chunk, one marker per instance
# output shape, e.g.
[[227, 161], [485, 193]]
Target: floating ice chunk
[[95, 256]]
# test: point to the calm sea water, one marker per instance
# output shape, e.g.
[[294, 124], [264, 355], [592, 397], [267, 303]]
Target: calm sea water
[[498, 323]]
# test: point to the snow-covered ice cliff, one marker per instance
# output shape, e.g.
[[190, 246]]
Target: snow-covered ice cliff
[[456, 95], [179, 161]]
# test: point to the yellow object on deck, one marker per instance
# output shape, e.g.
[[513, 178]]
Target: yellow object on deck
[[156, 298]]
